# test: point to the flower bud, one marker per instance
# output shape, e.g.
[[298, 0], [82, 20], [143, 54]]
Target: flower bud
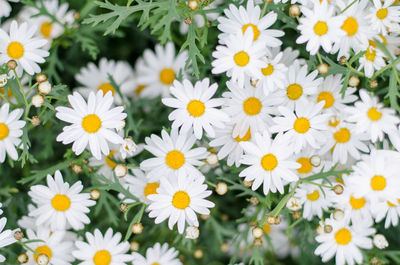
[[354, 81], [257, 242], [44, 87], [294, 10], [212, 159], [296, 215], [380, 241], [77, 169], [271, 220], [41, 78], [22, 258], [188, 20], [338, 214], [94, 194], [373, 84], [198, 253], [257, 232], [134, 246], [193, 4], [342, 60], [12, 64], [315, 161], [120, 170], [221, 188], [35, 121], [37, 100], [254, 200], [328, 228], [338, 189], [42, 259], [137, 228], [323, 68], [247, 184], [18, 235], [192, 232], [123, 207]]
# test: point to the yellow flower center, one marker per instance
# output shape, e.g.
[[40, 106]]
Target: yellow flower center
[[181, 200], [342, 136], [175, 159], [155, 263], [378, 182], [306, 166], [91, 123], [167, 76], [102, 257], [320, 28], [357, 203], [313, 196], [391, 204], [268, 70], [43, 250], [105, 87], [151, 188], [350, 25], [109, 160], [15, 50], [256, 32], [374, 114], [45, 29], [294, 91], [241, 58], [334, 122], [328, 97], [343, 236], [382, 13], [301, 125], [269, 162], [252, 106], [139, 89], [196, 108], [4, 131], [60, 202], [267, 228], [246, 137], [370, 54]]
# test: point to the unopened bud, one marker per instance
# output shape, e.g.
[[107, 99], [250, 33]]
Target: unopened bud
[[188, 20], [205, 216], [12, 64], [134, 246], [338, 189], [198, 253], [328, 228], [37, 100], [278, 220], [221, 188], [18, 235], [44, 87], [23, 258], [41, 78], [296, 215], [338, 214], [212, 159], [354, 81], [120, 170], [224, 247], [315, 161], [35, 121], [123, 207], [192, 232], [247, 184], [42, 259], [271, 220], [193, 4], [257, 232], [294, 10], [254, 200], [77, 169], [94, 194], [380, 241], [323, 68], [137, 228], [373, 84], [343, 60], [257, 242]]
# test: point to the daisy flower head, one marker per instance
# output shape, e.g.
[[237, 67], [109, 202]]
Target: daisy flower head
[[384, 16], [158, 254], [238, 20], [21, 46], [303, 127], [388, 211], [59, 205], [195, 108], [53, 244], [6, 236], [344, 241], [306, 159], [92, 123], [273, 75], [174, 155], [95, 78], [139, 185], [102, 250], [319, 27], [372, 117], [158, 70], [10, 131], [372, 60], [270, 162], [179, 201], [240, 57]]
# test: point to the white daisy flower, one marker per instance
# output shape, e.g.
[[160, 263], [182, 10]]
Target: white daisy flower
[[383, 16], [54, 246], [5, 7], [107, 163], [388, 211], [158, 70], [59, 205], [174, 155], [306, 159], [93, 123], [102, 250], [302, 127], [21, 46], [158, 254], [371, 117], [273, 75], [270, 162], [139, 185], [344, 242], [10, 131], [238, 20], [240, 57], [179, 200], [195, 107], [372, 60], [6, 236], [319, 27]]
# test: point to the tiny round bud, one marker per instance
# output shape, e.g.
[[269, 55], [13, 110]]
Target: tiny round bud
[[338, 189], [18, 235], [192, 232], [3, 80], [212, 159], [278, 220], [320, 230], [205, 216], [323, 68], [271, 220], [94, 194], [328, 228], [123, 207], [221, 188], [343, 60], [225, 247], [22, 258], [120, 170], [354, 81], [224, 217], [35, 121], [198, 253], [134, 246], [254, 200], [294, 10], [41, 78], [257, 242], [380, 241], [315, 161], [247, 184], [188, 20], [37, 100], [44, 87], [293, 204], [296, 215], [42, 259], [373, 84], [253, 82], [338, 214], [193, 4], [137, 228], [77, 169], [12, 64], [257, 232]]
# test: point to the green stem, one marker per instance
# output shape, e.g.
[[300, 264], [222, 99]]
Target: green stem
[[317, 184], [347, 7], [393, 64], [20, 87], [28, 248], [264, 9], [319, 58], [211, 184], [354, 70]]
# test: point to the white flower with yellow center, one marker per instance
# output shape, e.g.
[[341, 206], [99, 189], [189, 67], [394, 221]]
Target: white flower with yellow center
[[157, 255], [384, 16], [10, 132], [53, 244], [179, 201], [306, 158], [139, 185], [102, 250], [6, 236], [273, 75], [303, 127], [372, 60], [158, 70], [371, 117], [238, 20], [174, 155], [390, 211], [344, 242], [59, 205], [107, 163], [240, 57], [319, 27], [195, 107], [93, 123], [21, 46], [270, 162], [315, 198], [249, 108]]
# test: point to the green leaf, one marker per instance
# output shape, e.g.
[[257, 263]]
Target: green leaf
[[194, 51], [393, 92]]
